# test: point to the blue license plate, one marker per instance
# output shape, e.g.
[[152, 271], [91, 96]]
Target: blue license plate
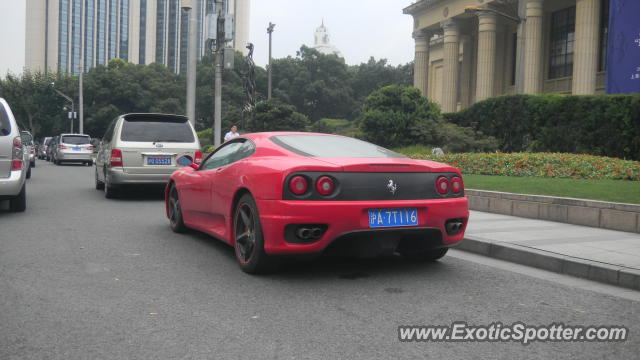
[[381, 218], [76, 149], [159, 161]]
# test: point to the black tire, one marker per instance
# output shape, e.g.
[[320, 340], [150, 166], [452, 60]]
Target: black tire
[[176, 220], [110, 191], [425, 255], [29, 173], [33, 163], [248, 238], [99, 184], [19, 203]]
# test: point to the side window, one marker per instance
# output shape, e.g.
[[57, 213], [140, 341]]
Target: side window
[[224, 156], [247, 149], [5, 124], [108, 135]]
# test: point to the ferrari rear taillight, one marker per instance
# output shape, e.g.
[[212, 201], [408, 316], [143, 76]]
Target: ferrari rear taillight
[[442, 185], [456, 184], [116, 157], [17, 154], [198, 157], [298, 185], [325, 185]]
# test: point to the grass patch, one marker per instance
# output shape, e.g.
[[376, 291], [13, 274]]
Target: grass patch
[[604, 190]]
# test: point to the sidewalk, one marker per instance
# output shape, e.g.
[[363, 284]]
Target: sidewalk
[[596, 254]]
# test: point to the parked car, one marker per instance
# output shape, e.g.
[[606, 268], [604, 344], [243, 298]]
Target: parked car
[[143, 149], [53, 144], [27, 140], [42, 149], [14, 161], [74, 148], [269, 194]]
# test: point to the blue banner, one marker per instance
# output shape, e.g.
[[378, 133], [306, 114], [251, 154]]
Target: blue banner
[[623, 53]]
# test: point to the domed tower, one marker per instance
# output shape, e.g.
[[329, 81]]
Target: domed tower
[[322, 43]]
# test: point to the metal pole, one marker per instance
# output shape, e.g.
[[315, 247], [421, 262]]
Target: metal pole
[[73, 115], [270, 31], [192, 63], [81, 97], [217, 115]]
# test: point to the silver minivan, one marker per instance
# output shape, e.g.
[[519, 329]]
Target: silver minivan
[[14, 161], [143, 149]]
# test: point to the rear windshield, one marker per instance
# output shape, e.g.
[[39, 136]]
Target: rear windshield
[[75, 139], [332, 147], [5, 125], [26, 138], [157, 130]]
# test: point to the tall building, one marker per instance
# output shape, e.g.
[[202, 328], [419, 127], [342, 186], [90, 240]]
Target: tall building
[[137, 31], [510, 46], [322, 43]]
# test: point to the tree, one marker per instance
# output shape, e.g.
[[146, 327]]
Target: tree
[[272, 115], [390, 114]]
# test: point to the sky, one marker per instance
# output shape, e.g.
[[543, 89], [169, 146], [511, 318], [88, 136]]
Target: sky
[[358, 28]]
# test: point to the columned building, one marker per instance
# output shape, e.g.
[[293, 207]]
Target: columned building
[[60, 32], [465, 55]]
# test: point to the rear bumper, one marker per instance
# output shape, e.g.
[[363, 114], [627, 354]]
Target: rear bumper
[[343, 218], [12, 185], [72, 156], [118, 176]]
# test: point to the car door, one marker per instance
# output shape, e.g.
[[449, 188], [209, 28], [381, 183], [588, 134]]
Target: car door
[[196, 191]]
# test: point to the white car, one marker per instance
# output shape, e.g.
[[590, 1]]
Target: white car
[[14, 161], [74, 148]]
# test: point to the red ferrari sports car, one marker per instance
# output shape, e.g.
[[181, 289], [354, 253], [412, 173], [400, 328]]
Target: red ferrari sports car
[[285, 193]]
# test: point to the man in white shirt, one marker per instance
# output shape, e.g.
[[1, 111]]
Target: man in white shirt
[[231, 134]]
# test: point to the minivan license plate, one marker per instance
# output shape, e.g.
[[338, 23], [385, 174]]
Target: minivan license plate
[[380, 218], [159, 161]]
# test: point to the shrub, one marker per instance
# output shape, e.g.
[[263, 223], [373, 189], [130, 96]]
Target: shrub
[[606, 125], [273, 115]]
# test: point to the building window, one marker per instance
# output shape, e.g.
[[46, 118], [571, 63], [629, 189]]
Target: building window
[[160, 31], [563, 25], [63, 36], [89, 34], [113, 29], [143, 32], [604, 35], [173, 41], [76, 36], [101, 50], [124, 30], [184, 39]]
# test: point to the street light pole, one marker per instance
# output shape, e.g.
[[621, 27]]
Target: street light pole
[[80, 87], [217, 96], [69, 99], [270, 31], [192, 60]]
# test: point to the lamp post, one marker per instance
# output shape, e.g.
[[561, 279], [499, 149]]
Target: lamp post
[[73, 113], [270, 32], [192, 61]]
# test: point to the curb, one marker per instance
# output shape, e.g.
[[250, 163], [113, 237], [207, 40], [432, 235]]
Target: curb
[[547, 260]]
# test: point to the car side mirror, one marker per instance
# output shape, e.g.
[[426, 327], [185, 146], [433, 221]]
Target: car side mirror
[[187, 161]]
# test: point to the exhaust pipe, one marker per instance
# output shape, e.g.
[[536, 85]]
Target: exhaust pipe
[[316, 233], [454, 226], [304, 233]]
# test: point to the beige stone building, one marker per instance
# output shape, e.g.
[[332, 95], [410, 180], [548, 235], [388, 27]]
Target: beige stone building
[[464, 55]]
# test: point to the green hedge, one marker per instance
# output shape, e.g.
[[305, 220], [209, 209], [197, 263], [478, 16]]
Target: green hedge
[[606, 125]]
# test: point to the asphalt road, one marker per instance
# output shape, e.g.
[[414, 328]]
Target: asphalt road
[[83, 277]]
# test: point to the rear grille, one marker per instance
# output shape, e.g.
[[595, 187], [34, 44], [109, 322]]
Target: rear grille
[[377, 186]]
